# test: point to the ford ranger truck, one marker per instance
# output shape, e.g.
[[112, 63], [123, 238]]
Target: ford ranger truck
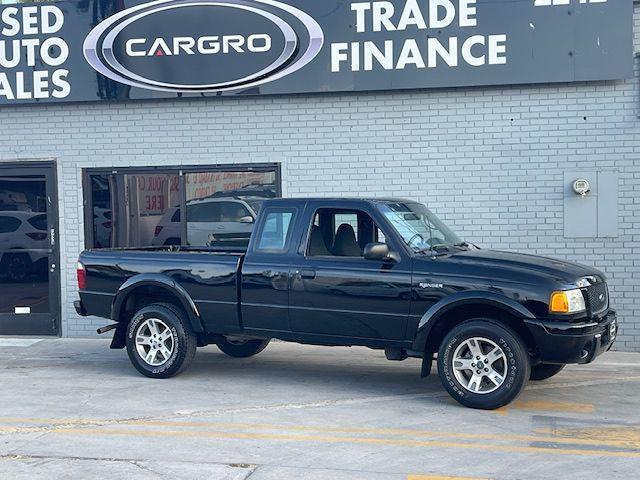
[[382, 273]]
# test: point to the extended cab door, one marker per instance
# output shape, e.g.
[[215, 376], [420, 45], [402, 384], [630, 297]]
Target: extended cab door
[[334, 290], [264, 293]]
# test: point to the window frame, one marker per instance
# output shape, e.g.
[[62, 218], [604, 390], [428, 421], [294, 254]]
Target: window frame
[[181, 171]]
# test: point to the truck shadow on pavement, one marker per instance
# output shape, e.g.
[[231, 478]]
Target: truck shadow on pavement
[[351, 370], [283, 368], [303, 372]]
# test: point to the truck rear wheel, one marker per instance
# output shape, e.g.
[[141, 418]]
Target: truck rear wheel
[[542, 371], [483, 364], [160, 342], [241, 348]]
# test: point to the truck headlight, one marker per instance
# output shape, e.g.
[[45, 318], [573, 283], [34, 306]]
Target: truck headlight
[[567, 301]]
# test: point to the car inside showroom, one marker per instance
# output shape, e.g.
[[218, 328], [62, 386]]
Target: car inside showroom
[[165, 128]]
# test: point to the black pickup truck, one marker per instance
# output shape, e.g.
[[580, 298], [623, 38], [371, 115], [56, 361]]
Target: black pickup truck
[[383, 273]]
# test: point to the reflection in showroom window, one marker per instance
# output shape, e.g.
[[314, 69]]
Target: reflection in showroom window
[[127, 208], [145, 208], [24, 244], [102, 214], [222, 206]]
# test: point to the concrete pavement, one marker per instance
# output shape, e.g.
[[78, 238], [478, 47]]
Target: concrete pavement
[[75, 409]]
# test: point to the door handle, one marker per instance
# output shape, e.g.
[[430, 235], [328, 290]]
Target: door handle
[[306, 274]]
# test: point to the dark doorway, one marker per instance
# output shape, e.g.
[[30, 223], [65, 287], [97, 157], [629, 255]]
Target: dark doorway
[[29, 265]]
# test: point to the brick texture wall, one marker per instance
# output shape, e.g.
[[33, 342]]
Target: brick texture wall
[[489, 161]]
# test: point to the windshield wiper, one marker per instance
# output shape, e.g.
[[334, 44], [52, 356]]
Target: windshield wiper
[[466, 245], [436, 249]]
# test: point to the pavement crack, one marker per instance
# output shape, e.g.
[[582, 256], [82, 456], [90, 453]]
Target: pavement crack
[[146, 469], [254, 469], [139, 463]]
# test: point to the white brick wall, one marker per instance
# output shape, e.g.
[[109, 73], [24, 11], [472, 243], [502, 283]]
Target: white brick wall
[[489, 161]]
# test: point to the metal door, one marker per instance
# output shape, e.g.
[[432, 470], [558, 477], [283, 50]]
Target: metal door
[[29, 265]]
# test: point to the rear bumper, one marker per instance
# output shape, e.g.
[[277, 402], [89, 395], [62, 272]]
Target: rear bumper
[[80, 310], [564, 342], [118, 340], [94, 304]]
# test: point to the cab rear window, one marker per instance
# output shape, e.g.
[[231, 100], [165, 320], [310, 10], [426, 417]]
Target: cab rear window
[[276, 231]]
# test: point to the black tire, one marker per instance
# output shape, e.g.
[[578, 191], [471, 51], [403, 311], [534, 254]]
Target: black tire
[[184, 340], [242, 349], [514, 364], [542, 371]]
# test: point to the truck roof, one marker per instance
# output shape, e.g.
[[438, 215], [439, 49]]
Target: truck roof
[[341, 200]]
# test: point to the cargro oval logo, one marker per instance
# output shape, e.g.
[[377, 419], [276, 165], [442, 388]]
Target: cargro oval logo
[[203, 45]]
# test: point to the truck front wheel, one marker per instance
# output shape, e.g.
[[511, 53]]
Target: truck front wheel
[[160, 342], [483, 364], [241, 348]]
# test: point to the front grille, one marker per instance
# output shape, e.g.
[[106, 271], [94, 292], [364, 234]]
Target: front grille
[[597, 297]]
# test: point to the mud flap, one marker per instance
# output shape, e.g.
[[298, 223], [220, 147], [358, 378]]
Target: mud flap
[[119, 340], [427, 362]]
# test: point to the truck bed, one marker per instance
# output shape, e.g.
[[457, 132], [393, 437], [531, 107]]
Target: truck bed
[[162, 270]]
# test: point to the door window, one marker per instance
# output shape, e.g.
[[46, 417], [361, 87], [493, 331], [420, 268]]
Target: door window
[[342, 233]]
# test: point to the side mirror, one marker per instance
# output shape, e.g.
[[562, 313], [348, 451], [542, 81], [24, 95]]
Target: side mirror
[[379, 251], [247, 219]]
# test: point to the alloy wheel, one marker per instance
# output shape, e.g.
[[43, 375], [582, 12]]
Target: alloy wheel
[[154, 342], [479, 365]]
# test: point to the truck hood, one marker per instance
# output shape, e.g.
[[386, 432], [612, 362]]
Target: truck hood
[[493, 262]]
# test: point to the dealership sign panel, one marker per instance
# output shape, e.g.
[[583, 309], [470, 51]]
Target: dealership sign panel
[[72, 51]]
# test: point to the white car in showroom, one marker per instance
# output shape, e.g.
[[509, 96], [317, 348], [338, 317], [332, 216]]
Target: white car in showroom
[[23, 244], [213, 221]]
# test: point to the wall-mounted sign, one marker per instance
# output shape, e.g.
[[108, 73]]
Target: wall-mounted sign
[[88, 50]]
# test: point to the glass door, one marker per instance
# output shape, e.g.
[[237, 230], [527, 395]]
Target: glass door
[[29, 279]]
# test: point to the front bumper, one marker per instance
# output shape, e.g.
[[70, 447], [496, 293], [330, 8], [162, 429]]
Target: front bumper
[[565, 342]]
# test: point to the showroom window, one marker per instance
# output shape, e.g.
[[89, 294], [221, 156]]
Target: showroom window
[[144, 207]]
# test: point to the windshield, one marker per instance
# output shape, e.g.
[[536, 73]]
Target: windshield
[[419, 228]]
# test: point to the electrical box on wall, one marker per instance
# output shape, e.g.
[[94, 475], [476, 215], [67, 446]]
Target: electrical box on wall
[[590, 204]]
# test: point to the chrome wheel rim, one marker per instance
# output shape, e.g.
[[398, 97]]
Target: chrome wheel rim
[[479, 365], [154, 342], [236, 341]]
